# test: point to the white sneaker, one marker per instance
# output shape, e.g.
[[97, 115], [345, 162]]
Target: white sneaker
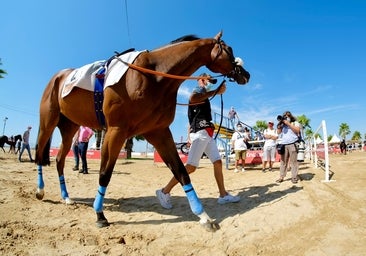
[[164, 199], [236, 170], [242, 169], [228, 199]]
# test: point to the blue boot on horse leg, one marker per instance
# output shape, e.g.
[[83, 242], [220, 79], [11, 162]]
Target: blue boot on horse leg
[[197, 209]]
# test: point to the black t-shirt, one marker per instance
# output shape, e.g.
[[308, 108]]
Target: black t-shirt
[[199, 116]]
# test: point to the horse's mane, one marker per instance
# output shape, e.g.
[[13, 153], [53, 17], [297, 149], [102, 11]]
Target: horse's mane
[[182, 39], [185, 38]]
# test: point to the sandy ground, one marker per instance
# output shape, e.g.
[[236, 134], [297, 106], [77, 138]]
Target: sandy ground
[[309, 218]]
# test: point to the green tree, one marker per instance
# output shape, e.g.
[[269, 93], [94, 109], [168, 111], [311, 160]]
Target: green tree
[[317, 135], [356, 136], [260, 125], [329, 137], [344, 130], [304, 121], [308, 133], [2, 72]]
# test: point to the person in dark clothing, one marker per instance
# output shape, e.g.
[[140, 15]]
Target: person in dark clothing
[[201, 131]]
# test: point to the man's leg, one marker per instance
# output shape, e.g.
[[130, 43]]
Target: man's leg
[[21, 153], [29, 152], [219, 177], [171, 184]]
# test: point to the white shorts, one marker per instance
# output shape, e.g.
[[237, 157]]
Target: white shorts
[[201, 143], [269, 153]]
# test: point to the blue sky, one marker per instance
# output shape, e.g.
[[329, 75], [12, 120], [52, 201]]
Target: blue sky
[[304, 56]]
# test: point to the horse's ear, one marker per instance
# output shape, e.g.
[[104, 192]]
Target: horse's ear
[[218, 36]]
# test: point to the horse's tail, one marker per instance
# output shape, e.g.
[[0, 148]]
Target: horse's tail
[[45, 159]]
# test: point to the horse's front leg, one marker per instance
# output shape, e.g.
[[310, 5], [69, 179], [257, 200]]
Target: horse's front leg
[[111, 147], [163, 142]]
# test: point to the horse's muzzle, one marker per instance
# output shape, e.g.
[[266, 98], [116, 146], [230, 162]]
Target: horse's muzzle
[[240, 75]]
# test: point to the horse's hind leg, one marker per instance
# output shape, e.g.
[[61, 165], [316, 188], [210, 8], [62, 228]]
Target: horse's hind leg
[[50, 117], [67, 130], [48, 123]]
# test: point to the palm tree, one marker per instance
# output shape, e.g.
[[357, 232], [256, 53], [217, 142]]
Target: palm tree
[[2, 72], [304, 121], [356, 136], [344, 130], [329, 137], [308, 133]]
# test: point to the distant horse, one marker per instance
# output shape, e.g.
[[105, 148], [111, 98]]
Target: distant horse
[[3, 139], [13, 143], [343, 147], [142, 102]]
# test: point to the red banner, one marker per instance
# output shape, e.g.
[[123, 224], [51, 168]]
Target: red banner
[[91, 154]]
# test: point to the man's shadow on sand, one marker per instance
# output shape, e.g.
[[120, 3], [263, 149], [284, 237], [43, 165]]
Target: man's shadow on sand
[[250, 198]]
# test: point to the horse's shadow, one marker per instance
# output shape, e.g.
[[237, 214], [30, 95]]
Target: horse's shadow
[[251, 198]]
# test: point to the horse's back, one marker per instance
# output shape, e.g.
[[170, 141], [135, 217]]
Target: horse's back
[[77, 106]]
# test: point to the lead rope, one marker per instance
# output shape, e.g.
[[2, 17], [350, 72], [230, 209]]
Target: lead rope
[[222, 109]]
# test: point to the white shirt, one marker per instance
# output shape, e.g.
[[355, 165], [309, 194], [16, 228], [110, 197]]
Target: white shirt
[[288, 136], [238, 138], [270, 142]]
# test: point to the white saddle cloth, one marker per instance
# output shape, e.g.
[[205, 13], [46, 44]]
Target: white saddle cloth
[[84, 77]]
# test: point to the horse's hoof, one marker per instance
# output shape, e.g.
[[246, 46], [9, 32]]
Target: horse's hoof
[[102, 223], [210, 226], [40, 193], [68, 201]]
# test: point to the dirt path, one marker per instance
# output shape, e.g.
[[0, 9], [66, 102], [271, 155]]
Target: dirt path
[[311, 218]]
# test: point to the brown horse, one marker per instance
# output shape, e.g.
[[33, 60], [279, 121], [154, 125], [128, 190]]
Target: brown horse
[[140, 103]]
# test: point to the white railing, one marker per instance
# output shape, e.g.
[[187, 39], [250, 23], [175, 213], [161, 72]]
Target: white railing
[[320, 150]]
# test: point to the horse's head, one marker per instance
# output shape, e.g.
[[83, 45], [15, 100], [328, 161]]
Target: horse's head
[[224, 62]]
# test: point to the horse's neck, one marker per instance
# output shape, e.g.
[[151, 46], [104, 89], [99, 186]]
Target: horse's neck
[[182, 58]]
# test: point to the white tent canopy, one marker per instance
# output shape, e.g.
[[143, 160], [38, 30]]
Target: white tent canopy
[[335, 139], [318, 140]]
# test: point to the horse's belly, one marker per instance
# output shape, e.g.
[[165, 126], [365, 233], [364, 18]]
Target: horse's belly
[[80, 108]]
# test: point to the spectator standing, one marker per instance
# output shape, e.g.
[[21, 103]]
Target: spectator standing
[[25, 145], [75, 150], [200, 138], [289, 129], [238, 143], [269, 148], [232, 117], [84, 135]]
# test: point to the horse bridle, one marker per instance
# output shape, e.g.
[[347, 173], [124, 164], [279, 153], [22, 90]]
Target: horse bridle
[[236, 69]]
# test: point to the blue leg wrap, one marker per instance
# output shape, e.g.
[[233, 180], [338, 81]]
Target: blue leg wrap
[[99, 199], [40, 177], [64, 193], [194, 202]]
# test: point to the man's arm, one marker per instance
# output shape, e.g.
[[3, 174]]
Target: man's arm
[[199, 97]]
